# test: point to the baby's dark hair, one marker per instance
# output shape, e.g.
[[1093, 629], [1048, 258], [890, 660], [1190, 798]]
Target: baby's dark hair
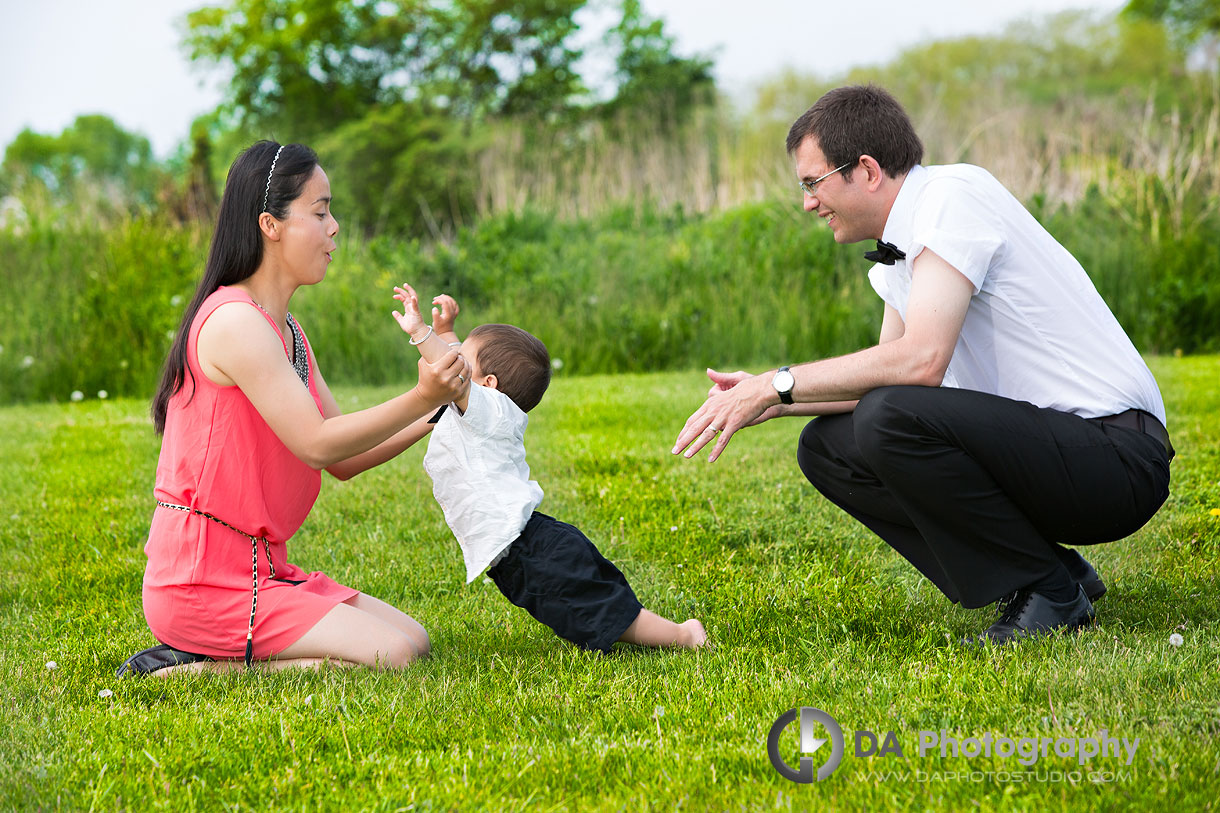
[[518, 360]]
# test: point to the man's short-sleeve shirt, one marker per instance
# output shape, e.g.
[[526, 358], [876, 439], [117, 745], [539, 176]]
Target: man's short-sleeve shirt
[[1036, 329]]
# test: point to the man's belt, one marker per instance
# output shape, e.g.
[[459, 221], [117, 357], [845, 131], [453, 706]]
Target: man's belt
[[1141, 421]]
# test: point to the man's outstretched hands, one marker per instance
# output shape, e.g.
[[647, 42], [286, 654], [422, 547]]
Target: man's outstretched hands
[[735, 400]]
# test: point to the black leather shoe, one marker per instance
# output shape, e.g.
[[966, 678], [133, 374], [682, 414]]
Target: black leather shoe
[[150, 660], [1083, 573], [1024, 614]]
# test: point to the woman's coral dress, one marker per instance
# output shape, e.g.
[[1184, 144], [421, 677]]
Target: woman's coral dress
[[219, 456]]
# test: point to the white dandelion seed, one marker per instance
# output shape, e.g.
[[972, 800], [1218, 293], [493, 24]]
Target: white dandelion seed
[[104, 693], [103, 394], [175, 300], [77, 395], [27, 362], [1175, 640], [52, 666], [556, 364]]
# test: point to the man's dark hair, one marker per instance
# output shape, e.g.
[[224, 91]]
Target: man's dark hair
[[857, 120], [518, 360]]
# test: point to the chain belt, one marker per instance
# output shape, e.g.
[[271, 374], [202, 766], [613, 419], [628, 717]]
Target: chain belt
[[254, 540]]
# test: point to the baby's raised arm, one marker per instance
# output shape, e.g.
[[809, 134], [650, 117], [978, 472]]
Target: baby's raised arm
[[430, 340]]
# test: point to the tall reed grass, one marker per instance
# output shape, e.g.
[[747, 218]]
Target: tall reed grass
[[1159, 169]]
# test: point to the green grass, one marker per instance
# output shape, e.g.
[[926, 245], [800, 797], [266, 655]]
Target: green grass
[[803, 608]]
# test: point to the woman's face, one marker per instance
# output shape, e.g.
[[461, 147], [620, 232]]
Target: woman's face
[[309, 229]]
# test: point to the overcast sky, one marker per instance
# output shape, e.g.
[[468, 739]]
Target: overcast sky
[[62, 58]]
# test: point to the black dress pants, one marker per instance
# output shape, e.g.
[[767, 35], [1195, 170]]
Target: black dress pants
[[980, 492]]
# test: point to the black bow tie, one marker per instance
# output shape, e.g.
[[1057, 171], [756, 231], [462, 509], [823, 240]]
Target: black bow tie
[[885, 254]]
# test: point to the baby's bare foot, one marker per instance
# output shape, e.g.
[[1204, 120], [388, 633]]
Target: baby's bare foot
[[693, 633]]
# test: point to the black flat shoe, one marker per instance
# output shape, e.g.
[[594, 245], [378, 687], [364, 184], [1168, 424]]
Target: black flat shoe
[[1024, 614], [150, 660], [1084, 573]]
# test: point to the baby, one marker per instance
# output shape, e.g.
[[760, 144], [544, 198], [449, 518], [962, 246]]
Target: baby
[[476, 459]]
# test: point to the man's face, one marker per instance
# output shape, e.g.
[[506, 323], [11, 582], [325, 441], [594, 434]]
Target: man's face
[[842, 204]]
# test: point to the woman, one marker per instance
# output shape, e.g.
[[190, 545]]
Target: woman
[[248, 424]]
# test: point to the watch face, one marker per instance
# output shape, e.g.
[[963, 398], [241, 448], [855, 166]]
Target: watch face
[[783, 381]]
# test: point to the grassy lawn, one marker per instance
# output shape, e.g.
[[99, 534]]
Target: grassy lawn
[[804, 609]]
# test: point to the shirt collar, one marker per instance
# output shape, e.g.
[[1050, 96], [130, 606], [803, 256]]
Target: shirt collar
[[902, 213]]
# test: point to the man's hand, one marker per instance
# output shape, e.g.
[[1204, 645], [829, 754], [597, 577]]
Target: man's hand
[[742, 402], [725, 381]]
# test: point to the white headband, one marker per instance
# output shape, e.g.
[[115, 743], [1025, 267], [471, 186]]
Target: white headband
[[269, 174]]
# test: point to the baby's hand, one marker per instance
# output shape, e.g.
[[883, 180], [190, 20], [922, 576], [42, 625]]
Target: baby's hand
[[445, 314], [409, 320]]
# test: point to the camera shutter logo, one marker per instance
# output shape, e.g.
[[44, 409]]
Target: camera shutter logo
[[809, 744]]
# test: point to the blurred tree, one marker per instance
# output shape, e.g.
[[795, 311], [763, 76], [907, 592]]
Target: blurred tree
[[1053, 61], [399, 168], [310, 65], [651, 79], [1191, 19], [92, 151], [395, 94]]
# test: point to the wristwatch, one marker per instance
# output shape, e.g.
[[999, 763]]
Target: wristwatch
[[783, 383]]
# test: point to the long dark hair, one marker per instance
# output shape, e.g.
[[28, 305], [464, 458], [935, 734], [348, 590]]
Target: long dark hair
[[237, 244]]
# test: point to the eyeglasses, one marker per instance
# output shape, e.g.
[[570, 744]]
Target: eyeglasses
[[810, 188]]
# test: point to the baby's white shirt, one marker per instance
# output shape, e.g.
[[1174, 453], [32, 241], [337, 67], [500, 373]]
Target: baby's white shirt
[[479, 475]]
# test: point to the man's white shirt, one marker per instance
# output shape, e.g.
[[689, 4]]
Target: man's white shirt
[[1036, 329]]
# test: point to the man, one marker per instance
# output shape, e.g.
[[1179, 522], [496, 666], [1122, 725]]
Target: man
[[1003, 413]]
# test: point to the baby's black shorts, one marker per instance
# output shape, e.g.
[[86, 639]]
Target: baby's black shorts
[[556, 574]]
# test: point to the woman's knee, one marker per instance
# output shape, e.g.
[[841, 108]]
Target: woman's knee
[[350, 634], [399, 650]]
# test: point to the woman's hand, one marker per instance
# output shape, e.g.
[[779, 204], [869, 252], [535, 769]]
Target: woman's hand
[[444, 314], [410, 319], [444, 380]]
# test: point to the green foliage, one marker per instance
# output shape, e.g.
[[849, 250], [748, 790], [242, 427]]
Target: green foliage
[[803, 607], [92, 310], [400, 169], [1190, 19], [655, 83], [92, 156], [311, 65], [366, 83], [1068, 56], [632, 291]]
